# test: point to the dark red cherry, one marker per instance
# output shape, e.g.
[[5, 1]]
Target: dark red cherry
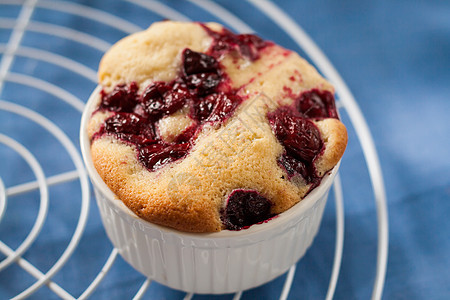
[[248, 45], [305, 142], [196, 62], [201, 72], [202, 83], [131, 128], [121, 99], [124, 123], [202, 108], [299, 136], [175, 100], [155, 156], [188, 134], [152, 99], [245, 208], [161, 99], [294, 166], [136, 139], [317, 104], [224, 106]]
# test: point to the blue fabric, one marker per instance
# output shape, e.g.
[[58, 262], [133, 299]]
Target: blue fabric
[[393, 55]]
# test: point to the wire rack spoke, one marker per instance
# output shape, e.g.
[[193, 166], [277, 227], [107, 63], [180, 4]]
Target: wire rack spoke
[[47, 87], [33, 271], [288, 283], [90, 13], [60, 31], [339, 244], [224, 15], [161, 9], [237, 296], [52, 180], [43, 205], [101, 275], [52, 58], [3, 199], [140, 293], [15, 39]]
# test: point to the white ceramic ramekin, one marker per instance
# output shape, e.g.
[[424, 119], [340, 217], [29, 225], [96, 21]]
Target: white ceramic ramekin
[[211, 263]]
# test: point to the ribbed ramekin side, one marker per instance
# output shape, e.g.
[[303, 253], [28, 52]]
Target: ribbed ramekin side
[[183, 262], [143, 252]]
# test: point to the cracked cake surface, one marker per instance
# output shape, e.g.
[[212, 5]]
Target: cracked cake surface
[[201, 129]]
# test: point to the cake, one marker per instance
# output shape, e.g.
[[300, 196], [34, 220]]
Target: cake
[[201, 129]]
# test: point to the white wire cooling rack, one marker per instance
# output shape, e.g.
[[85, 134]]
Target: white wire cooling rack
[[21, 58]]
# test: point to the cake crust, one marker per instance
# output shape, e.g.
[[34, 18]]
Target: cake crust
[[189, 194]]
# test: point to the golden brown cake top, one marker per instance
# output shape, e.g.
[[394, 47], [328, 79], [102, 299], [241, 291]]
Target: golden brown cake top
[[201, 129]]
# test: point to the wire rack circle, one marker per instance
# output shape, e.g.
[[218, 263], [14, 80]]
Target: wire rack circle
[[13, 49]]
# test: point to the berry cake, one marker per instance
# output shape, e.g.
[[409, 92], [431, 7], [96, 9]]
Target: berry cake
[[200, 129]]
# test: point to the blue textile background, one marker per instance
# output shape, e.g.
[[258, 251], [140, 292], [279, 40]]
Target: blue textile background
[[394, 57]]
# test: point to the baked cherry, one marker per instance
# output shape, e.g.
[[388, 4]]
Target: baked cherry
[[130, 127], [155, 156], [124, 123], [202, 83], [152, 99], [224, 106], [201, 72], [160, 99], [196, 62], [122, 98], [202, 108], [295, 167], [302, 142], [188, 135], [300, 136], [245, 208], [317, 104], [175, 99], [248, 45]]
